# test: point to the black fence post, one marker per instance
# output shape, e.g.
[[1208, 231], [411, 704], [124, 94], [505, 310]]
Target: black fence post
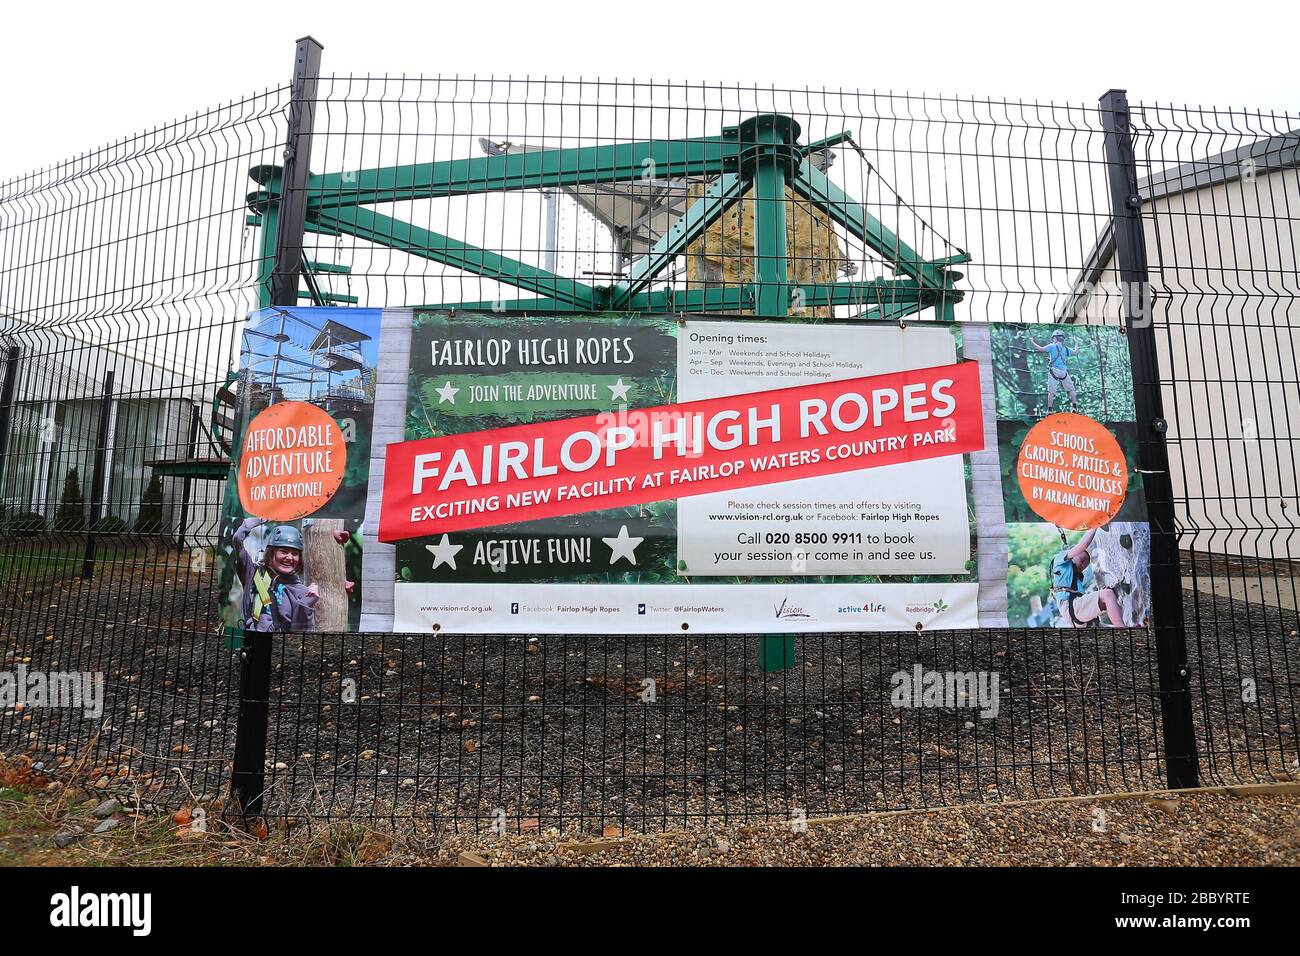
[[7, 390], [1166, 579], [187, 482], [292, 219], [248, 777], [97, 476]]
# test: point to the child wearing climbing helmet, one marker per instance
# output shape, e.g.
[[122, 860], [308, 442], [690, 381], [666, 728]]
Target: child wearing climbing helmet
[[1058, 353], [275, 598], [1079, 608]]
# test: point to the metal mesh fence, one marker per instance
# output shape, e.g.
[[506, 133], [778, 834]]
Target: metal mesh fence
[[142, 260]]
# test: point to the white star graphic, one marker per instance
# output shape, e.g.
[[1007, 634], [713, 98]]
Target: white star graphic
[[623, 546], [447, 393], [618, 390], [444, 550]]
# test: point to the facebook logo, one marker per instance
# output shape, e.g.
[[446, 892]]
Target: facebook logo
[[514, 608]]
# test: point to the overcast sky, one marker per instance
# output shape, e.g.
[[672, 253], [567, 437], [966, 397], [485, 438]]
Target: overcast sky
[[78, 75]]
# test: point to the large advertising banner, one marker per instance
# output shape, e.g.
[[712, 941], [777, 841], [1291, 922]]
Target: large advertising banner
[[641, 474]]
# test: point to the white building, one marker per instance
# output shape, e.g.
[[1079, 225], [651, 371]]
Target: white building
[[154, 417], [1223, 244]]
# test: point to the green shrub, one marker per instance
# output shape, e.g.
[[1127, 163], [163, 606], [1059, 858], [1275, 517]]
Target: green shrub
[[150, 518]]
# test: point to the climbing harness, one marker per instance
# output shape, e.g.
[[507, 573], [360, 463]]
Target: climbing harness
[[262, 585], [1064, 577], [1061, 375], [1050, 357]]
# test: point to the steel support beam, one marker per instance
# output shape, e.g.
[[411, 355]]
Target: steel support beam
[[266, 267], [504, 305], [903, 295], [703, 213], [746, 296], [893, 311], [771, 135], [535, 169], [405, 237], [759, 156], [853, 216]]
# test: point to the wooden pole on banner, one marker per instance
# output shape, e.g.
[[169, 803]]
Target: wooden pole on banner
[[1153, 455], [285, 222]]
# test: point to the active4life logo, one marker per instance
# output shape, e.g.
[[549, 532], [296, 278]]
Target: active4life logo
[[77, 909], [871, 608]]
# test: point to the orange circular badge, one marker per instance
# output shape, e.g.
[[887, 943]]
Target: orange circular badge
[[292, 461], [1072, 472]]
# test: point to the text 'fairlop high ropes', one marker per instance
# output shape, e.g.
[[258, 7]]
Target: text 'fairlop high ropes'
[[574, 465]]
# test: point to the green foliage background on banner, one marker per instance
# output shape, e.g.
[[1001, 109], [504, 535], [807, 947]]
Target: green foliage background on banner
[[1101, 372]]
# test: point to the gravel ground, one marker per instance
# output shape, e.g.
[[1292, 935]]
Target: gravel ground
[[1259, 826], [1196, 829], [556, 731]]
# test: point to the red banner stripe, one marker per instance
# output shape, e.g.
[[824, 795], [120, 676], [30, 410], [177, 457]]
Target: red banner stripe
[[574, 465]]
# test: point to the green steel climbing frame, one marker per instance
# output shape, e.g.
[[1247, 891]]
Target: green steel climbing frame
[[759, 158]]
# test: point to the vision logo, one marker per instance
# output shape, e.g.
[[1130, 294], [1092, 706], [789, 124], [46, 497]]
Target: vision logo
[[76, 909], [786, 610]]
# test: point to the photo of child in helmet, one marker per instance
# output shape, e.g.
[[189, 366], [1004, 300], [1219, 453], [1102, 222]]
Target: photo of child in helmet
[[302, 573], [1042, 369], [1058, 370], [1079, 608], [275, 597], [1082, 579], [292, 577]]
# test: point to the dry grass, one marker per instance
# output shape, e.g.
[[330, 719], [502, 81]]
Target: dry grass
[[1254, 826]]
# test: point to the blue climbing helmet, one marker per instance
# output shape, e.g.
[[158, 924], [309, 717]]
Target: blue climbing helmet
[[285, 536]]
